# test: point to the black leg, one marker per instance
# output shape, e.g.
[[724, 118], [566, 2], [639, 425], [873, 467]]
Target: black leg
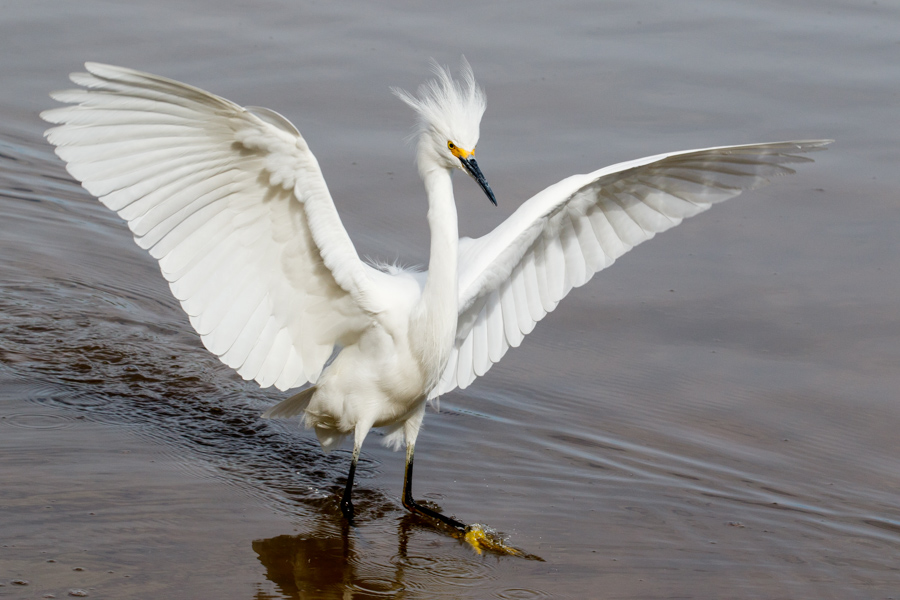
[[417, 508], [346, 501]]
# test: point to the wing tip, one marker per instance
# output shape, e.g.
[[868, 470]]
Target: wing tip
[[812, 145], [100, 69]]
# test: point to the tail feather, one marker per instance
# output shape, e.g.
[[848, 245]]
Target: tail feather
[[291, 407], [329, 438]]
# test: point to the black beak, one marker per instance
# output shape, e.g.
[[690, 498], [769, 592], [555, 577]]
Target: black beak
[[472, 169]]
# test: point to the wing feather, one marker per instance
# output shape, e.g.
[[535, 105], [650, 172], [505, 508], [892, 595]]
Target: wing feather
[[233, 205], [496, 338], [480, 345], [576, 273], [465, 369], [508, 313], [559, 238], [543, 279]]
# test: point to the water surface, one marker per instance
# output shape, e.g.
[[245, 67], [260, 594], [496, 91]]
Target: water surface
[[714, 416]]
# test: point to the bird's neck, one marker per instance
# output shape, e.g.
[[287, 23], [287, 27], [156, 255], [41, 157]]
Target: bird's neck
[[442, 262], [435, 319]]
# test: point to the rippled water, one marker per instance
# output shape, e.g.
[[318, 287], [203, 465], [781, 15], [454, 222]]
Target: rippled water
[[715, 416]]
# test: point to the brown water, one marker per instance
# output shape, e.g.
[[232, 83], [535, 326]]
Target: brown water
[[716, 416]]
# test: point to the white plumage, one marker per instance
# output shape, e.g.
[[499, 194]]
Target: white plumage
[[233, 205]]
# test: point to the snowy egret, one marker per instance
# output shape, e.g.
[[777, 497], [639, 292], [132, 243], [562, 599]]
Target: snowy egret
[[231, 202]]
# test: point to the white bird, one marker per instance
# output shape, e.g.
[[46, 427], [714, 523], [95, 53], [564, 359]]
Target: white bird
[[233, 205]]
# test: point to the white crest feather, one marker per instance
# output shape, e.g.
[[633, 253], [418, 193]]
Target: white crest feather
[[448, 107]]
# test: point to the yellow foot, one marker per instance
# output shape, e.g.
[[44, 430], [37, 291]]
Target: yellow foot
[[484, 539]]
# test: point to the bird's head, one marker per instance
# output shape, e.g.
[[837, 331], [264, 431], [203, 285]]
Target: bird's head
[[450, 114]]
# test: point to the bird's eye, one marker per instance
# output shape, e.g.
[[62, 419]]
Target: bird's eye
[[451, 145]]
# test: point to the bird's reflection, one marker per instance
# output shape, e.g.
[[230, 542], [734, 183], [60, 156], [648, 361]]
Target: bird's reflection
[[325, 564], [309, 566], [337, 560]]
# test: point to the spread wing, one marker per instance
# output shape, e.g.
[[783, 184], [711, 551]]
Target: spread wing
[[512, 277], [233, 205]]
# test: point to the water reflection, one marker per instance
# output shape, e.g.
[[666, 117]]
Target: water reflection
[[303, 566], [337, 560], [326, 564]]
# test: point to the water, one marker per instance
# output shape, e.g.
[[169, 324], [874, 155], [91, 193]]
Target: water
[[714, 416]]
